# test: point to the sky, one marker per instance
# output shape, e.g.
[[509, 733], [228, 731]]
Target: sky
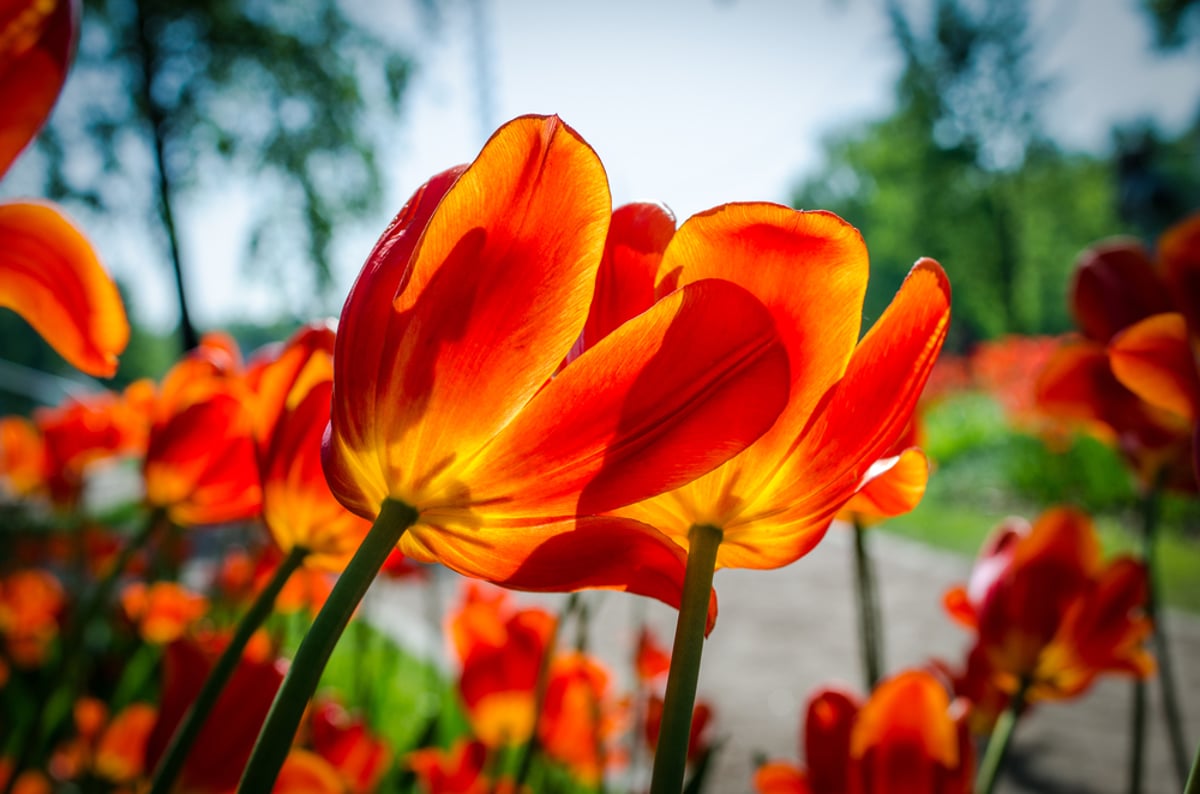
[[691, 103]]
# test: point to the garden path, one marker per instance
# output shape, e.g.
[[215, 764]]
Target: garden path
[[782, 633]]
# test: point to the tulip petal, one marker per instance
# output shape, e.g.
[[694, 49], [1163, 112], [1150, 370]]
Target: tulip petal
[[487, 306], [37, 40], [780, 777], [637, 237], [52, 278], [1153, 359], [828, 723], [298, 508], [596, 552], [668, 396], [892, 487], [904, 735], [808, 268], [861, 418], [1114, 286]]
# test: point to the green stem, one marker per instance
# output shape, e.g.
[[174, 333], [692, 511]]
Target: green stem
[[1137, 737], [869, 628], [197, 714], [1193, 782], [670, 758], [997, 748], [71, 668], [275, 738], [1151, 513]]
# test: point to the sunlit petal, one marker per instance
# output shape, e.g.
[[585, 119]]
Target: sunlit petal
[[1153, 359], [52, 277]]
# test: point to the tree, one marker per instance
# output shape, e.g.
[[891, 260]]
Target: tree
[[178, 91], [961, 172]]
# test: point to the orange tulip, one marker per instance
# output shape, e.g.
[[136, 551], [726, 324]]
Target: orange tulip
[[1048, 612], [306, 772], [907, 738], [31, 604], [162, 611], [298, 507], [23, 464], [121, 750], [51, 275], [1139, 317], [443, 397], [578, 717], [200, 464], [500, 650], [850, 400]]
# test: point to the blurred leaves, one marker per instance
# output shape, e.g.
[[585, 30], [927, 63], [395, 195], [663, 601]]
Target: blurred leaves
[[289, 95]]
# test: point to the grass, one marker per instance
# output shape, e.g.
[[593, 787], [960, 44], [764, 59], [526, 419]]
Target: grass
[[986, 472]]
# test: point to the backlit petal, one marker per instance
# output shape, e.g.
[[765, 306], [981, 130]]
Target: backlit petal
[[1154, 360], [668, 396], [50, 275], [861, 418], [893, 486], [808, 268], [589, 553], [37, 40], [637, 237], [487, 305]]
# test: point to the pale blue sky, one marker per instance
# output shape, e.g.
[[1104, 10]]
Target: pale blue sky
[[688, 102]]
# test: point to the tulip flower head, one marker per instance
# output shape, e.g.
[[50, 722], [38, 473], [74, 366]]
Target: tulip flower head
[[1048, 612], [443, 398]]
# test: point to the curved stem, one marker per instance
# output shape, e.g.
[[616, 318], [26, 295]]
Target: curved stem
[[670, 758], [997, 748], [275, 738], [1193, 782], [197, 714], [1173, 719], [869, 628]]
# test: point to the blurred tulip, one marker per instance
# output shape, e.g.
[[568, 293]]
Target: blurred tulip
[[1049, 613], [162, 611], [31, 605], [907, 738]]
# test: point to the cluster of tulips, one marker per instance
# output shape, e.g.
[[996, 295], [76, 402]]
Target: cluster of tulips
[[532, 389]]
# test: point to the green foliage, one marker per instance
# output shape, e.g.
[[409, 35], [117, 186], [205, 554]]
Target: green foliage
[[960, 172], [283, 93]]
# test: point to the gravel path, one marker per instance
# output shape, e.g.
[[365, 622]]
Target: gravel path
[[782, 633]]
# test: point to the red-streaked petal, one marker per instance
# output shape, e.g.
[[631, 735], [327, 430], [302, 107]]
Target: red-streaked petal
[[893, 486], [1115, 285], [1153, 359], [598, 552], [861, 418], [637, 237], [50, 275], [37, 41], [496, 292], [808, 268], [668, 396]]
